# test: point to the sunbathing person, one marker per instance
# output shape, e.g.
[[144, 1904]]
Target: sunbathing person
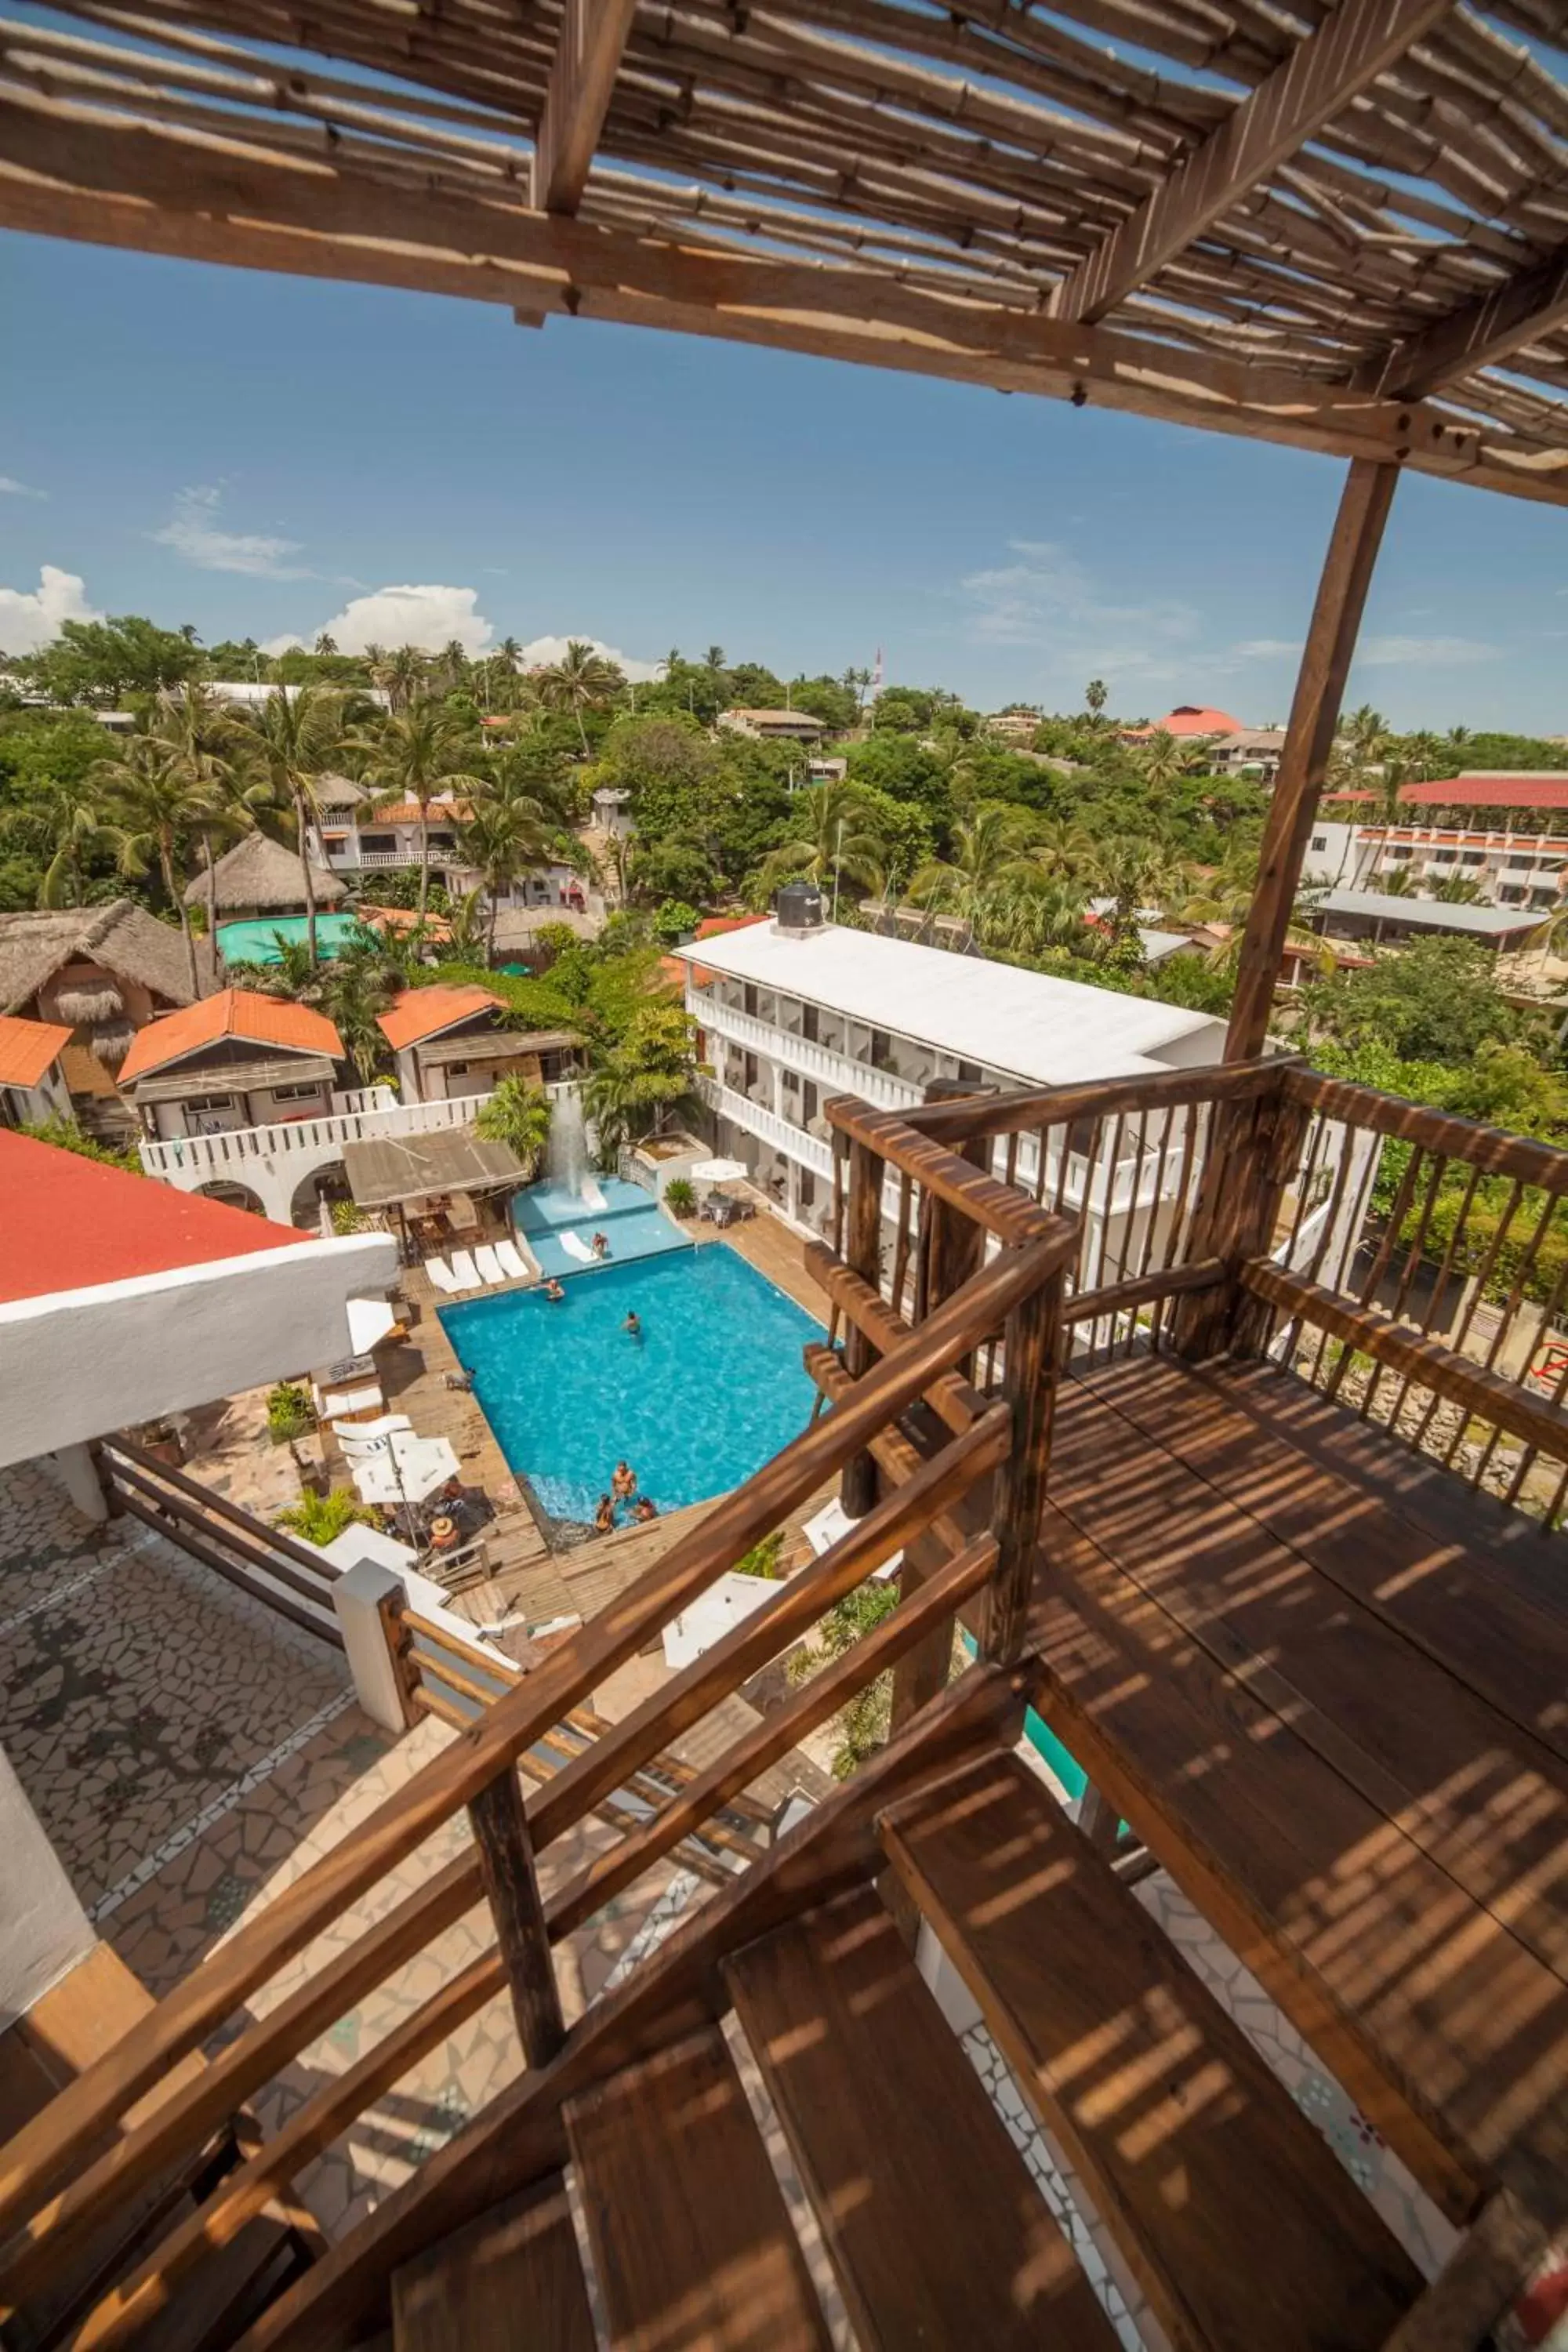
[[624, 1484], [605, 1517]]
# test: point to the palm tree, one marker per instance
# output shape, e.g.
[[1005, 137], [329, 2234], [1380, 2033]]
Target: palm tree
[[402, 675], [518, 1115], [205, 735], [297, 738], [67, 825], [987, 854], [413, 758], [507, 835], [509, 654], [580, 680], [1459, 890], [452, 664], [1094, 699], [157, 802], [1063, 847], [1164, 760], [326, 642], [858, 681], [355, 992], [832, 836], [1366, 734]]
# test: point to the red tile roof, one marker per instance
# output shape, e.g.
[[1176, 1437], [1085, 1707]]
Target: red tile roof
[[27, 1048], [234, 1013], [1199, 718], [71, 1223], [711, 926], [1491, 788], [421, 1013]]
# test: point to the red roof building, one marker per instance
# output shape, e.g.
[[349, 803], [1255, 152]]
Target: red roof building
[[1197, 719], [236, 1012], [1492, 788], [27, 1048], [421, 1013]]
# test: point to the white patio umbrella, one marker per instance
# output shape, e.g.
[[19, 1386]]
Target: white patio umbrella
[[719, 1172], [406, 1470]]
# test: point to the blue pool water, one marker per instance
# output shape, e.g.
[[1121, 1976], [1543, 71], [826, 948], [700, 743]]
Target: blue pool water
[[713, 1387], [257, 941], [633, 1225]]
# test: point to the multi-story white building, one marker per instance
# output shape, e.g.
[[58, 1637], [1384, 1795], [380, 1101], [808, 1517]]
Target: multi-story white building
[[790, 1016], [1509, 869], [353, 838]]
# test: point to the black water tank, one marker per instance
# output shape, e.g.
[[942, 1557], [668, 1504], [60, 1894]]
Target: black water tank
[[798, 907]]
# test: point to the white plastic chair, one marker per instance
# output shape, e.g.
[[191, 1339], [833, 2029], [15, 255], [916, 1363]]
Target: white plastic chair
[[465, 1273], [489, 1263], [440, 1273], [511, 1261]]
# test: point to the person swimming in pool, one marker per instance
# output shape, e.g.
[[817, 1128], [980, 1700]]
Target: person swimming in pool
[[553, 1291], [645, 1508], [632, 1327], [624, 1483], [605, 1517]]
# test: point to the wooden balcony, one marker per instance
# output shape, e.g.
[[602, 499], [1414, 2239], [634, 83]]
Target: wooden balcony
[[1250, 1487]]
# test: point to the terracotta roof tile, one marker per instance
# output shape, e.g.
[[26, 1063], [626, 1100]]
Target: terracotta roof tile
[[234, 1013], [27, 1048], [1491, 788], [425, 1012]]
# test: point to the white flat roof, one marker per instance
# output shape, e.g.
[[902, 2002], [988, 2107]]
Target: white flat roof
[[1026, 1025]]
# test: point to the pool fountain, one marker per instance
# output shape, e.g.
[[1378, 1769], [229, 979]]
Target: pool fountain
[[566, 1153]]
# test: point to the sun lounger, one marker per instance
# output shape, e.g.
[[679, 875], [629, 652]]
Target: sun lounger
[[465, 1273], [440, 1273], [489, 1263], [511, 1261], [575, 1246]]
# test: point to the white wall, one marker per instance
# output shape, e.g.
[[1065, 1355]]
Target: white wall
[[44, 1931], [75, 1364]]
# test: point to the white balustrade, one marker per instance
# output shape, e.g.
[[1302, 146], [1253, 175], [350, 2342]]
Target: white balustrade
[[182, 1157], [794, 1142], [833, 1071]]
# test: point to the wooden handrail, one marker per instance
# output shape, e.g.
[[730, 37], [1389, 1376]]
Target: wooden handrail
[[1491, 1148], [1426, 1362], [325, 1627], [968, 1116], [954, 1401], [303, 1555], [43, 2153], [1167, 1281], [317, 1587], [1000, 1208]]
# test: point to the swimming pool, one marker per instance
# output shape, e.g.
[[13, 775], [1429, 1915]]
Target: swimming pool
[[714, 1386], [257, 941], [631, 1221]]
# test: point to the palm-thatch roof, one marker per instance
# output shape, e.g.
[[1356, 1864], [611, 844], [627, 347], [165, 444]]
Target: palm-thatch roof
[[258, 872], [123, 937]]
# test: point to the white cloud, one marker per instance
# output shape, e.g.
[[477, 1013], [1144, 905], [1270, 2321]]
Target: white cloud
[[540, 652], [1266, 649], [1421, 653], [1049, 600], [191, 531], [427, 616], [12, 488], [29, 618]]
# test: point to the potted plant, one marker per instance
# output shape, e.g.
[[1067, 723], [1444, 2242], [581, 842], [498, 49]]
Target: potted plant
[[680, 1196], [288, 1413]]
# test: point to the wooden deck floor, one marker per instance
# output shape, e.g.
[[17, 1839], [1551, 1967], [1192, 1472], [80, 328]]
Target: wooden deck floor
[[1330, 1689]]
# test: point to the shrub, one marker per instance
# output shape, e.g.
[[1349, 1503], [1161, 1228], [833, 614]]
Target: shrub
[[674, 921], [518, 1115], [763, 1559], [681, 1195], [66, 1135], [320, 1518], [348, 1217], [288, 1413]]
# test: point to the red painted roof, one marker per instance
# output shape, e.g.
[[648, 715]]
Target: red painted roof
[[1491, 788], [421, 1013], [1199, 718], [71, 1223], [27, 1048], [711, 925], [234, 1013]]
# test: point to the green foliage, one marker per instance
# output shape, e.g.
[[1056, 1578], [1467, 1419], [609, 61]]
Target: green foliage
[[104, 662], [674, 921], [288, 1413], [398, 886], [518, 1115], [863, 1725], [647, 1075], [348, 1217], [1436, 1000], [320, 1520], [763, 1559], [680, 1198], [66, 1136]]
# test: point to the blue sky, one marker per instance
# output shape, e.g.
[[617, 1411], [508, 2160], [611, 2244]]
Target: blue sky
[[258, 456]]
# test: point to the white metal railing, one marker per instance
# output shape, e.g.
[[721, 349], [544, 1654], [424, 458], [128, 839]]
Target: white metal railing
[[216, 1155], [827, 1068], [807, 1151], [348, 1099], [440, 855]]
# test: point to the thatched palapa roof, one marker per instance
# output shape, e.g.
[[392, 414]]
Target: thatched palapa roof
[[122, 937], [258, 872]]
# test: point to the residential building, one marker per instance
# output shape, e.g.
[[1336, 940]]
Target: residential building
[[453, 1044], [33, 1085], [102, 972], [1509, 869], [1376, 917], [237, 1059], [1014, 726], [1196, 721], [612, 810], [352, 836], [1494, 788], [820, 770], [258, 877], [790, 1014], [774, 726], [1250, 751]]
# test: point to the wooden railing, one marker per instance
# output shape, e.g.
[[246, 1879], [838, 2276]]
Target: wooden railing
[[59, 2181]]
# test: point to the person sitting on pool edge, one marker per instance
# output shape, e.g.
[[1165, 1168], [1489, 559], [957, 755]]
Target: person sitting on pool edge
[[645, 1508], [600, 1245], [632, 1327], [605, 1517], [553, 1291], [624, 1484]]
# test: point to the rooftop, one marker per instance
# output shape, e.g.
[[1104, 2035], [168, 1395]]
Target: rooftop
[[123, 937], [427, 1012], [258, 872], [775, 718], [27, 1048], [1199, 718], [1431, 914], [1027, 1025], [1491, 788], [240, 1013]]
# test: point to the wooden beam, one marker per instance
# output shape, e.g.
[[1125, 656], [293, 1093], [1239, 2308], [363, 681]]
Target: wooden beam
[[94, 177], [1309, 740], [506, 1860], [593, 36], [1519, 312], [1360, 41]]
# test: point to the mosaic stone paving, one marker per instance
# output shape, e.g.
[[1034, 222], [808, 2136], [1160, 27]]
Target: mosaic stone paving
[[138, 1691]]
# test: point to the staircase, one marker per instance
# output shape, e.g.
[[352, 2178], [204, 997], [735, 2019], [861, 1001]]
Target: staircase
[[1231, 2213]]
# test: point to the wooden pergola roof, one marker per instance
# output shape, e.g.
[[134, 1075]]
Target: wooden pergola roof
[[1340, 228]]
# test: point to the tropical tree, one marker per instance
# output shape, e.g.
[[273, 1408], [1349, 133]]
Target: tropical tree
[[413, 757], [67, 825], [644, 1077], [833, 834], [402, 675], [580, 680], [326, 642], [1164, 760], [204, 736], [1459, 890], [1094, 698], [507, 836], [517, 1114], [156, 805], [355, 990], [988, 853], [294, 740]]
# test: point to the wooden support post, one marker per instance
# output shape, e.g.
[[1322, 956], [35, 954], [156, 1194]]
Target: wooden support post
[[506, 1862], [863, 1252], [1033, 1340], [1314, 715], [1254, 1147], [389, 1608]]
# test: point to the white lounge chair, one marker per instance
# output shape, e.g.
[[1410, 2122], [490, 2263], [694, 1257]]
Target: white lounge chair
[[369, 1432], [489, 1263], [440, 1273], [511, 1261], [575, 1246], [593, 1193], [465, 1273]]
